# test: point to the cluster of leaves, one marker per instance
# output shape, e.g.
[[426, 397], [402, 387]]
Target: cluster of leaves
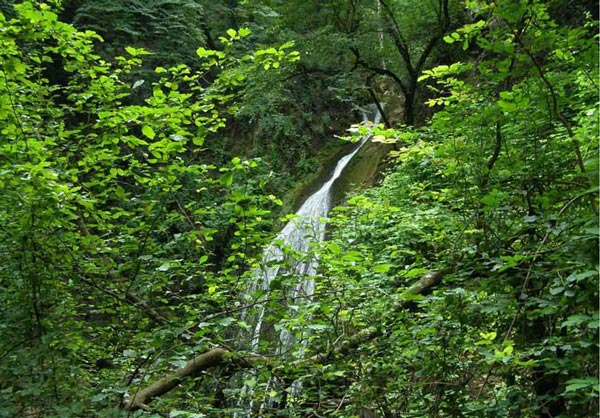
[[125, 247], [117, 235], [499, 191]]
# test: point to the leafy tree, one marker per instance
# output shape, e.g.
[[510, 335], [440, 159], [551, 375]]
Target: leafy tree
[[110, 215], [465, 284], [172, 30], [498, 193], [291, 115], [412, 31]]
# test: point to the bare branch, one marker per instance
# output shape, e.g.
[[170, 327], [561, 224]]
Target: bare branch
[[202, 362], [377, 70]]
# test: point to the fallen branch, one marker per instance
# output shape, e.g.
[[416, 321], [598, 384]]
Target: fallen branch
[[217, 356], [368, 334], [423, 284], [202, 362]]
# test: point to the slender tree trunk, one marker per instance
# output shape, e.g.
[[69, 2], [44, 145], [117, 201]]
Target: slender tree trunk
[[380, 35], [409, 106]]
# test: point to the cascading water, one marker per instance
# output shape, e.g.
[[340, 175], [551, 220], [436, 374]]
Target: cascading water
[[297, 237]]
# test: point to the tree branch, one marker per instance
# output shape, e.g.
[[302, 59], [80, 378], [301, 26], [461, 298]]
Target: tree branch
[[399, 41], [217, 356], [202, 362], [386, 122], [497, 148], [443, 25], [377, 70]]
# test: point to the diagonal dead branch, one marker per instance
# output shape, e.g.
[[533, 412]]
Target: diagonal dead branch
[[218, 356]]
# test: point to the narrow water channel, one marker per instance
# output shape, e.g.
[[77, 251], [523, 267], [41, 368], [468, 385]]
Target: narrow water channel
[[299, 234]]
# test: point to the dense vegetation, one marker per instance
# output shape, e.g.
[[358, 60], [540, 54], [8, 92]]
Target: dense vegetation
[[146, 147]]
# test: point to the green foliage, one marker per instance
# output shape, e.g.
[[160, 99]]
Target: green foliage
[[117, 236], [499, 191], [287, 116], [171, 29], [130, 233]]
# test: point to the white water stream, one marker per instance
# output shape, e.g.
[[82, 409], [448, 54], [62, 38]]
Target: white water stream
[[298, 235]]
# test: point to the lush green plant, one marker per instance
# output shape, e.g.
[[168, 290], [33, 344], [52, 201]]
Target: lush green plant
[[129, 235], [170, 29], [500, 191], [117, 236]]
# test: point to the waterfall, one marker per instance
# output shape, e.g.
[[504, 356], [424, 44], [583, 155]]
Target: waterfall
[[299, 234]]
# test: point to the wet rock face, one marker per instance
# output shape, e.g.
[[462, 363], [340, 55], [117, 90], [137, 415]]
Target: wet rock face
[[362, 171]]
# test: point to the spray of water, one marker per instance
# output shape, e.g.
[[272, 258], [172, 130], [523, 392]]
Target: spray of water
[[304, 230]]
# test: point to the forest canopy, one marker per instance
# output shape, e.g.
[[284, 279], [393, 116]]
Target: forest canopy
[[152, 151]]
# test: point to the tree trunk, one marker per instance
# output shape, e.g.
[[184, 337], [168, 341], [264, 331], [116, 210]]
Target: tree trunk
[[409, 106]]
